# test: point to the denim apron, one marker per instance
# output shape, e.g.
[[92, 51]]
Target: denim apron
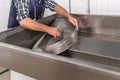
[[36, 11]]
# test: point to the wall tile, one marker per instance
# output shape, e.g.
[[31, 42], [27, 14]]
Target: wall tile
[[114, 5], [63, 3], [4, 13], [79, 6]]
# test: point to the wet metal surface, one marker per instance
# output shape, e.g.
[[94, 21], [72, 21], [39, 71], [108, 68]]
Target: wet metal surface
[[92, 57], [97, 50], [100, 36], [20, 37], [100, 47], [69, 35], [50, 67]]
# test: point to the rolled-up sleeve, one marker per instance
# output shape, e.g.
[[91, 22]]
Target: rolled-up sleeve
[[50, 4], [22, 9]]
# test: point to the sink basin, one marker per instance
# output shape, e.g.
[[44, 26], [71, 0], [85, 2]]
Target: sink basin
[[82, 61]]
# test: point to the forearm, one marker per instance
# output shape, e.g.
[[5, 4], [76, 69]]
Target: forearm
[[33, 25], [60, 10]]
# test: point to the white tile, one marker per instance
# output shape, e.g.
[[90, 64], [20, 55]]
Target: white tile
[[102, 5], [102, 12], [4, 13], [114, 13], [114, 5], [63, 3], [79, 3], [79, 6], [99, 7], [93, 12], [18, 76], [79, 11], [93, 5]]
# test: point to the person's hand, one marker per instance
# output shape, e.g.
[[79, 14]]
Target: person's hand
[[54, 32], [73, 21]]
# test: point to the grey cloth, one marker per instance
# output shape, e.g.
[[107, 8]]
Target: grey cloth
[[69, 36]]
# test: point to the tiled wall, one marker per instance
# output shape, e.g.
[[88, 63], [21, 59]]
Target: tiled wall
[[63, 3], [79, 6], [4, 11], [105, 7], [97, 7]]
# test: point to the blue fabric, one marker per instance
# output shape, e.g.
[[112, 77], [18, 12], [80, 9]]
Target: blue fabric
[[12, 22], [36, 11]]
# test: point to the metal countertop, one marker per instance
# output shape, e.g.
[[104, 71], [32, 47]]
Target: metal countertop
[[97, 49]]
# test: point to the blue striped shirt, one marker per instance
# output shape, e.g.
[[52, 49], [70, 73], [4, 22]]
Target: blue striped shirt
[[22, 7]]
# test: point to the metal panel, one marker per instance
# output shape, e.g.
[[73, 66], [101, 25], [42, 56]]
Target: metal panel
[[44, 66], [97, 50]]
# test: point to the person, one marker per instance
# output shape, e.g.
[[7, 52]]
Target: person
[[26, 12]]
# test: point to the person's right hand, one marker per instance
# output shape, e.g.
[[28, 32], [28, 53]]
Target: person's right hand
[[54, 32]]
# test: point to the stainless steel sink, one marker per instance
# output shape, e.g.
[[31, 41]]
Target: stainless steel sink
[[83, 61]]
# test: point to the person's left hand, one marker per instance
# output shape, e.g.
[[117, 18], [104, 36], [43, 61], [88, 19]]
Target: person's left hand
[[73, 21]]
